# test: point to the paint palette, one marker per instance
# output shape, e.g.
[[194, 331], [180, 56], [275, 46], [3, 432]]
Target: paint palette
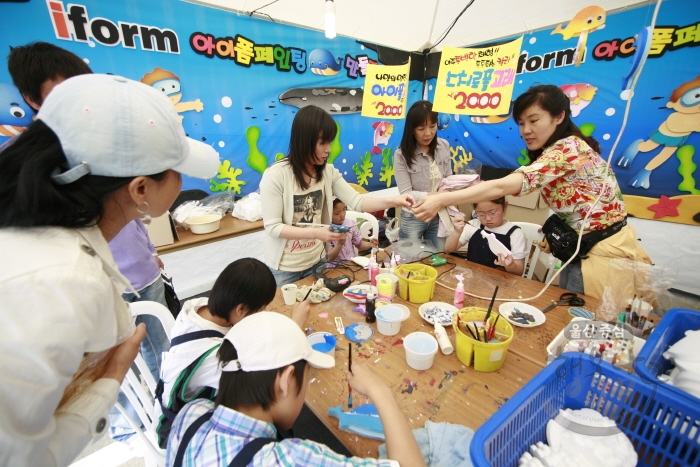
[[521, 314], [358, 293], [359, 332]]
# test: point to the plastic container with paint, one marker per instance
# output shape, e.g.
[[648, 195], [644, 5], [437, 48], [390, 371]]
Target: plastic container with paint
[[420, 348], [389, 318]]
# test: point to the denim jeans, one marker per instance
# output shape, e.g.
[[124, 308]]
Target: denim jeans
[[152, 347], [287, 277], [413, 228], [571, 278]]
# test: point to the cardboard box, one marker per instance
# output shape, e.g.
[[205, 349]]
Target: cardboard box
[[529, 208], [544, 262], [162, 231]]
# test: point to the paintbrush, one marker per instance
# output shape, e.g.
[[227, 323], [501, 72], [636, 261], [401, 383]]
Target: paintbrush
[[466, 326], [493, 299], [498, 315], [308, 293], [350, 370]]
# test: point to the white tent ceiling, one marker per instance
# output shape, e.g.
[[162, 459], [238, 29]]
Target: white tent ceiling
[[413, 25]]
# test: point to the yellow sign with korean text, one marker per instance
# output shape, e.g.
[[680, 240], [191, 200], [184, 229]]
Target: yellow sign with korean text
[[477, 81], [386, 91]]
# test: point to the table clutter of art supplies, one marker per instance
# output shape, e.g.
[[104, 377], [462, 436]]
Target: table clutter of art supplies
[[532, 377]]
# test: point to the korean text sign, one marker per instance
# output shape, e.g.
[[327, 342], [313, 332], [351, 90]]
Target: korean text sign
[[386, 90], [477, 81]]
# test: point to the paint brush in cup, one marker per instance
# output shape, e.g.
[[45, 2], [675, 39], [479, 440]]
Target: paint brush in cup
[[350, 370], [493, 299]]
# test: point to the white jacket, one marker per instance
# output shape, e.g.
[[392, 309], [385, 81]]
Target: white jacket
[[60, 299], [277, 196]]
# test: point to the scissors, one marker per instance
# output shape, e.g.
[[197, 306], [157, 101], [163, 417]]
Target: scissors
[[570, 299]]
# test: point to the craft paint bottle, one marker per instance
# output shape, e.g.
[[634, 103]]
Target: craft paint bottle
[[373, 271], [459, 292], [443, 339], [392, 264], [370, 317]]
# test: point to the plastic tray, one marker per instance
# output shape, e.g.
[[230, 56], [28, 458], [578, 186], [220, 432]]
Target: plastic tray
[[664, 429], [650, 362]]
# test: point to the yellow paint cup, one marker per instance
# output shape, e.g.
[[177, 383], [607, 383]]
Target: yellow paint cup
[[487, 357]]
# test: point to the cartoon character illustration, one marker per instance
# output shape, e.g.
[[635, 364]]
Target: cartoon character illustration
[[169, 84], [322, 62], [671, 134], [591, 18], [332, 100], [15, 114], [382, 133], [580, 95]]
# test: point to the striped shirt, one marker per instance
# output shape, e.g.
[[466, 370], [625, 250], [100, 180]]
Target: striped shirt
[[219, 439]]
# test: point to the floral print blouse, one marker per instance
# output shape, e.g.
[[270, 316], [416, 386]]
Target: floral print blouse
[[571, 175]]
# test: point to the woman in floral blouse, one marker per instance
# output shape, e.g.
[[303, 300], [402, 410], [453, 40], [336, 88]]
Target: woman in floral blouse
[[570, 173]]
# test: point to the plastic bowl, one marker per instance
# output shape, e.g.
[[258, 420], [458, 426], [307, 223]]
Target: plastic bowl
[[323, 342], [204, 224], [389, 318], [421, 348]]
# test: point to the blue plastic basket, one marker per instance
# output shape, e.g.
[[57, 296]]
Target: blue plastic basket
[[650, 361], [664, 430]]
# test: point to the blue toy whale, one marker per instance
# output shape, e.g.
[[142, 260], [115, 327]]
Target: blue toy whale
[[322, 62], [363, 421]]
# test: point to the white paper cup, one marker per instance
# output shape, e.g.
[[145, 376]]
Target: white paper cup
[[421, 348], [289, 293]]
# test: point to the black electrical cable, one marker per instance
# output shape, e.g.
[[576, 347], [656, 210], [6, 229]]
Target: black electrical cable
[[449, 28]]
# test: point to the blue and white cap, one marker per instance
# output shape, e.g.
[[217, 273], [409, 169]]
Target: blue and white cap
[[116, 127]]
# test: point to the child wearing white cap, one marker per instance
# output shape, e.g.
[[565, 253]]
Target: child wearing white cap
[[262, 389], [103, 151]]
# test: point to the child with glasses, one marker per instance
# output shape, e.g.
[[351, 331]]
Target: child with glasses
[[490, 218]]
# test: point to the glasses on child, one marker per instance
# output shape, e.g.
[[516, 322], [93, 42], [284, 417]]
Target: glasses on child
[[483, 215]]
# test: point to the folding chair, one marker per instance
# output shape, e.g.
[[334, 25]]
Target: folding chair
[[143, 401]]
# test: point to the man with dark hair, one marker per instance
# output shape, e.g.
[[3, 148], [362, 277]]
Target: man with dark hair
[[37, 67]]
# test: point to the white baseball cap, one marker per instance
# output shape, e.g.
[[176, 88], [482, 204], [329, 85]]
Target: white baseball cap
[[267, 341], [112, 126]]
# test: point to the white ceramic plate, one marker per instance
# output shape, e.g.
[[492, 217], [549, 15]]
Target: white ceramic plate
[[446, 315], [508, 308], [354, 292]]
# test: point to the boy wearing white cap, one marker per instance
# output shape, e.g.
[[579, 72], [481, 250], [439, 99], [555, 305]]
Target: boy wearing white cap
[[262, 389]]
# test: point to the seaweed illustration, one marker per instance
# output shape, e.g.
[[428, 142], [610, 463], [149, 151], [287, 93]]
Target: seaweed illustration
[[279, 156], [460, 157], [229, 175], [336, 147], [524, 159], [256, 159], [363, 169], [387, 171]]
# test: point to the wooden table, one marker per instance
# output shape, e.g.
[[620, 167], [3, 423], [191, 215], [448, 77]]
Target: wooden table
[[448, 391], [230, 227]]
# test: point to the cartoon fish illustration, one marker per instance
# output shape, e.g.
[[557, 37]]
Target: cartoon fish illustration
[[589, 19], [443, 121], [491, 119], [580, 95], [322, 62], [334, 100], [382, 133], [15, 114]]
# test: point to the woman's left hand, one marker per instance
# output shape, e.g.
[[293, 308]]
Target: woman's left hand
[[504, 260]]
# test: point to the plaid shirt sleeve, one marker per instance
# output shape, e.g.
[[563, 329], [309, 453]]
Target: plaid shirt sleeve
[[298, 452]]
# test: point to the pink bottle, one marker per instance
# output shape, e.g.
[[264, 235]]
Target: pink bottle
[[459, 292], [373, 271]]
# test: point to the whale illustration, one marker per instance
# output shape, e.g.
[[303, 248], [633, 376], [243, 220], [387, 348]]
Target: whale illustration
[[322, 62], [331, 99]]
